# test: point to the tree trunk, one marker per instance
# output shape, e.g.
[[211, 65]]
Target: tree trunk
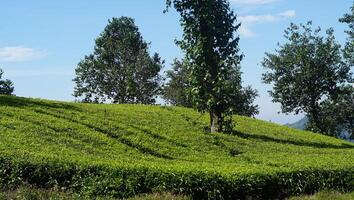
[[215, 121], [315, 118]]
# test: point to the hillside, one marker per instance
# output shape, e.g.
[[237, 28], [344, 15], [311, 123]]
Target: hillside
[[301, 124], [123, 150]]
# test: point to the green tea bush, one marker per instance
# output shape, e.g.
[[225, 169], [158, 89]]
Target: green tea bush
[[125, 150]]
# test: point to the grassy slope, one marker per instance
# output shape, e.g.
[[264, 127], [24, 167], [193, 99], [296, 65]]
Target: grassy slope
[[167, 139]]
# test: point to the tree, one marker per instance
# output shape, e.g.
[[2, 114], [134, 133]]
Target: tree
[[6, 86], [243, 102], [306, 70], [338, 115], [349, 47], [120, 70], [176, 91], [211, 47]]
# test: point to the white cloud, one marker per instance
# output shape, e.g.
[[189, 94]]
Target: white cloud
[[246, 32], [249, 20], [257, 18], [253, 2], [19, 54], [288, 13]]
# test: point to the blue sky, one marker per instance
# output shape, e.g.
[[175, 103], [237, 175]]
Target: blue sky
[[42, 41]]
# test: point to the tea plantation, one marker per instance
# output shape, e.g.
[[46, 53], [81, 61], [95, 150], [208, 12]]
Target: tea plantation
[[125, 150]]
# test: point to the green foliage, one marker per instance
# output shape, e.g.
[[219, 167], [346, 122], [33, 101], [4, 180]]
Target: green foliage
[[305, 71], [211, 48], [125, 150], [120, 70], [6, 86], [175, 91], [242, 101], [338, 115], [177, 87], [349, 47]]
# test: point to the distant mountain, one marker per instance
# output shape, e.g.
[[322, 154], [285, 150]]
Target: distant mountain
[[301, 124]]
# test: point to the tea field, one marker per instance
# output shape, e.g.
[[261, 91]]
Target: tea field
[[125, 150]]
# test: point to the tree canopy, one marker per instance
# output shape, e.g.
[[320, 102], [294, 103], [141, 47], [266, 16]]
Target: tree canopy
[[211, 45], [338, 114], [6, 86], [176, 91], [120, 69], [306, 71]]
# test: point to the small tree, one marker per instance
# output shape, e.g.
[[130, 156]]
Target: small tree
[[120, 70], [177, 87], [175, 91], [6, 86], [306, 71], [211, 48]]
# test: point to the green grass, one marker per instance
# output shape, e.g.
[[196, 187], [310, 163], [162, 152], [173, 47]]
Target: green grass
[[124, 150], [31, 193], [26, 192], [326, 196], [160, 196]]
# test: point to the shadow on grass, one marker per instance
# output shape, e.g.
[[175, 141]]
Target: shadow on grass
[[158, 136], [20, 102], [265, 138], [56, 130], [13, 101], [187, 118], [111, 134]]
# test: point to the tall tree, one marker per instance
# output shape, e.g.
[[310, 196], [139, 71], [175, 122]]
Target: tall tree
[[349, 47], [338, 114], [120, 70], [176, 91], [306, 71], [211, 48], [6, 86]]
